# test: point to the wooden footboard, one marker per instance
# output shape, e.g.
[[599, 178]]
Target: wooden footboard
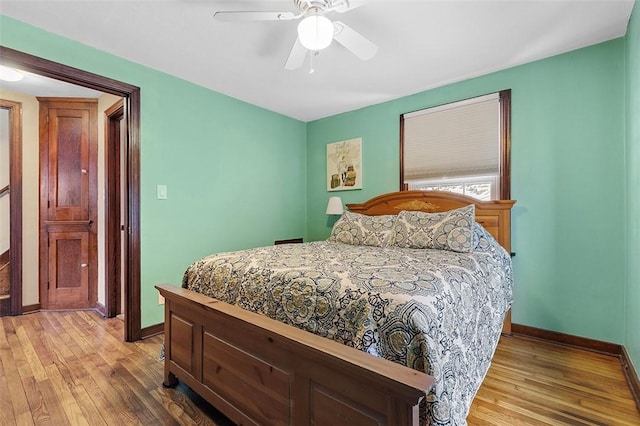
[[256, 370]]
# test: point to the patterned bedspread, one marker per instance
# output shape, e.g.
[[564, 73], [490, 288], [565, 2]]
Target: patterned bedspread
[[436, 311]]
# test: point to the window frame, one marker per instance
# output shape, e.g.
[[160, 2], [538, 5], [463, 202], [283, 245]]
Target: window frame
[[505, 143]]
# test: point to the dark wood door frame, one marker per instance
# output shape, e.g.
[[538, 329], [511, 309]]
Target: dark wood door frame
[[15, 200], [131, 95], [114, 115]]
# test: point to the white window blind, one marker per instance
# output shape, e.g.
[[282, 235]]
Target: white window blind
[[457, 139]]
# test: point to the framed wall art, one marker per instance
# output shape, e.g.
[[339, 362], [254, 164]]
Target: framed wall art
[[344, 165]]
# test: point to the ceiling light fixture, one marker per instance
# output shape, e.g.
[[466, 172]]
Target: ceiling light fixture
[[315, 32], [9, 74]]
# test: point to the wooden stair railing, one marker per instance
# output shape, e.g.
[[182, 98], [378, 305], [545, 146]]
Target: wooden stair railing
[[4, 257], [4, 275], [4, 262]]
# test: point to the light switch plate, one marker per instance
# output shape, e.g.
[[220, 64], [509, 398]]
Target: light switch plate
[[161, 191]]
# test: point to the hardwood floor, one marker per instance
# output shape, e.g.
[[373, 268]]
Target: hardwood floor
[[73, 368], [533, 382]]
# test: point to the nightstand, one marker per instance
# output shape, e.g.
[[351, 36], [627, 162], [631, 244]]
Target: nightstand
[[290, 241]]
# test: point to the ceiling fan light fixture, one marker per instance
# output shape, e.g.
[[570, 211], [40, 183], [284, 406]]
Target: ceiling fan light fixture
[[10, 74], [315, 32]]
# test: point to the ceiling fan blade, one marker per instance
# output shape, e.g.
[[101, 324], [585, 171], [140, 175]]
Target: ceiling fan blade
[[254, 16], [296, 57], [354, 41], [342, 6]]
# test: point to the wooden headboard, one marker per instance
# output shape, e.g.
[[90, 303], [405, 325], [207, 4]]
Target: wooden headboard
[[494, 216]]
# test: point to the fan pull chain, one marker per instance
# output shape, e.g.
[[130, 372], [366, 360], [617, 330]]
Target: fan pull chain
[[313, 54]]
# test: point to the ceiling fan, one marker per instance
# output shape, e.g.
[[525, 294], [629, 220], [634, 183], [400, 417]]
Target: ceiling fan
[[315, 30]]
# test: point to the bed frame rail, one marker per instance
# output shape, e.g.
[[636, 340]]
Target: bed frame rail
[[257, 370]]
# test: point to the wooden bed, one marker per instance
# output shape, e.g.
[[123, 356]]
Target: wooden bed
[[494, 216], [257, 370]]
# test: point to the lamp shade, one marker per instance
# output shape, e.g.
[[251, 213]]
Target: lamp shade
[[334, 206], [315, 32]]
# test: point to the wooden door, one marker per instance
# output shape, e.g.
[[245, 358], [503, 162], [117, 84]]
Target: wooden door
[[68, 203]]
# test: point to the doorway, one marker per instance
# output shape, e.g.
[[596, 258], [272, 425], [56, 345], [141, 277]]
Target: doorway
[[115, 214], [131, 203], [11, 195]]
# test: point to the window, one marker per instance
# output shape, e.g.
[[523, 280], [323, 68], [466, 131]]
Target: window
[[481, 187], [462, 147]]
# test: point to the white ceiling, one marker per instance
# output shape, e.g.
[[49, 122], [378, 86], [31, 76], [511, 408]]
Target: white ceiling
[[422, 44]]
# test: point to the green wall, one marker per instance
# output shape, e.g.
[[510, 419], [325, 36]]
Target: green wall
[[235, 173], [575, 174], [567, 177], [632, 342]]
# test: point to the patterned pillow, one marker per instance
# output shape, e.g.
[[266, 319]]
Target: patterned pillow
[[362, 230], [484, 241], [452, 230]]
